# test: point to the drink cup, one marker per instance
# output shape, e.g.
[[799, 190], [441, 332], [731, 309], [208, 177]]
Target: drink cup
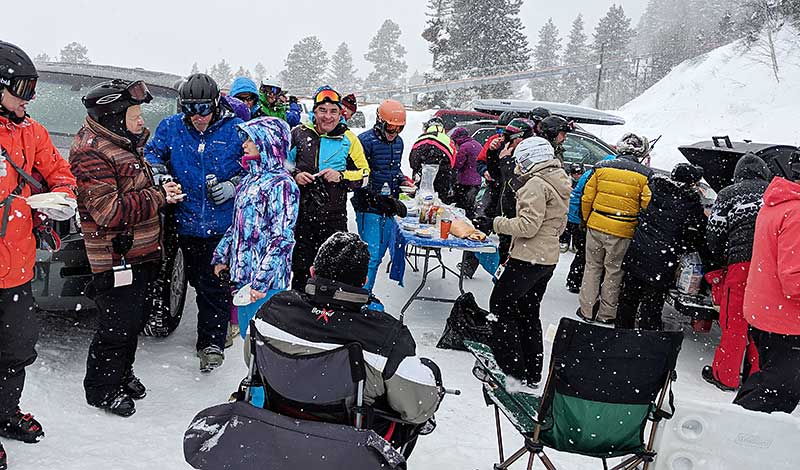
[[445, 228]]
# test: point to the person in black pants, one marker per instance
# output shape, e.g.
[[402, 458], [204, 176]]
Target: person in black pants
[[575, 276], [542, 195]]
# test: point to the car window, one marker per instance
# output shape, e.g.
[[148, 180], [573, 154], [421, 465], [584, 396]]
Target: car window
[[579, 149], [482, 135], [59, 108]]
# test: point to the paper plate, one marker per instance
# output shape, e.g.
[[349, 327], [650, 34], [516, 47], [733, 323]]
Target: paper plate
[[242, 296]]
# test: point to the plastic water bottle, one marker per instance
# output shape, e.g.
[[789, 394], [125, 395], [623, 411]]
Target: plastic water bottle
[[385, 190]]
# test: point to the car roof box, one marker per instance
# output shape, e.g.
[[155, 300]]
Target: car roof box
[[718, 158], [579, 114]]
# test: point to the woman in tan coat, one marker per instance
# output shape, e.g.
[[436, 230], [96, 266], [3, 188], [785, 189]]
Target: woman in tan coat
[[543, 189]]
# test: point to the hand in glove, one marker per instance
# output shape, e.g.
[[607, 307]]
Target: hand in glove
[[222, 192], [390, 206], [160, 174], [55, 205]]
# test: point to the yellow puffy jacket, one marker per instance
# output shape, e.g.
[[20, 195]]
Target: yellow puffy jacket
[[614, 195]]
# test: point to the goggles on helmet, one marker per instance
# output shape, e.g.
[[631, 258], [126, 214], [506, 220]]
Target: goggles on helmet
[[270, 89], [23, 88], [138, 92], [329, 96], [392, 128], [199, 108]]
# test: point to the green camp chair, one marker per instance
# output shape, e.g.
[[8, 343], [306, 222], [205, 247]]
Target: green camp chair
[[604, 388]]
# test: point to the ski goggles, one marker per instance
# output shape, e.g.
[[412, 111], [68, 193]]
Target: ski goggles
[[393, 129], [270, 89], [328, 96], [23, 88], [138, 92], [197, 109]]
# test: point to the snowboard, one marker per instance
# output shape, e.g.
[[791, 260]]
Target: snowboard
[[521, 409]]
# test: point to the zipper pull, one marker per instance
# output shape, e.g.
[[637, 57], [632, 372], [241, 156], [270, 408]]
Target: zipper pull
[[202, 147]]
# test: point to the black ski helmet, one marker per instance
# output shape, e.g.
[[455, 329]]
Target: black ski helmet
[[539, 114], [576, 167], [114, 97], [508, 116], [14, 65], [199, 88], [519, 128], [552, 125]]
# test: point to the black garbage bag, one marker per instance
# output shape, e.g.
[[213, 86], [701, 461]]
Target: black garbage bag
[[467, 321]]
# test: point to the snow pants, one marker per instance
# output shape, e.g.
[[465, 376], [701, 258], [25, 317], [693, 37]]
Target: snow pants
[[603, 274], [575, 276], [123, 313], [640, 299], [736, 348], [214, 298], [17, 344], [517, 333], [309, 235], [375, 230], [776, 386]]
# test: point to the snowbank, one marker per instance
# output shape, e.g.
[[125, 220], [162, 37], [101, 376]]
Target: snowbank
[[723, 92]]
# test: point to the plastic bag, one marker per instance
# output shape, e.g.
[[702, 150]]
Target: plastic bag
[[467, 321]]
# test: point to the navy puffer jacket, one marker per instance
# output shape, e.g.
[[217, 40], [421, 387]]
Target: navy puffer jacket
[[384, 163]]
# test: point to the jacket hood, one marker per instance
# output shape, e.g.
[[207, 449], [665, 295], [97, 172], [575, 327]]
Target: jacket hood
[[272, 137], [243, 85], [118, 140], [459, 135], [751, 167], [781, 190], [551, 171]]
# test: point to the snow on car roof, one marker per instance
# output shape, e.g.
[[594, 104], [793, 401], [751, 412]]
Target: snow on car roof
[[575, 113]]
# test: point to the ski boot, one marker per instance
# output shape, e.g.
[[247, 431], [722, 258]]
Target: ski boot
[[211, 357], [21, 427], [134, 387], [708, 376]]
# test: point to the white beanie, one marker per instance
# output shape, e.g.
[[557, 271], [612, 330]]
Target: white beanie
[[531, 151]]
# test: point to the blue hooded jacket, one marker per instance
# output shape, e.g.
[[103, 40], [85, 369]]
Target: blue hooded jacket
[[384, 160], [574, 214], [244, 85], [258, 246], [190, 156]]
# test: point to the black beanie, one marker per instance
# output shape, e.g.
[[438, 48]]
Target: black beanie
[[344, 258], [687, 173]]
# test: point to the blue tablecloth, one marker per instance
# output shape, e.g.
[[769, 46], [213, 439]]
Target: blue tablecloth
[[400, 238]]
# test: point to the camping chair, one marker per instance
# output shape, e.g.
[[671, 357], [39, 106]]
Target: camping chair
[[604, 387]]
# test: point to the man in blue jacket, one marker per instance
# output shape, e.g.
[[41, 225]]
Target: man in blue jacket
[[375, 209], [201, 148]]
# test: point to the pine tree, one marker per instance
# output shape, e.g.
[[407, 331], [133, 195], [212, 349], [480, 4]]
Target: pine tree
[[546, 56], [342, 72], [386, 55], [305, 67], [576, 83], [490, 39], [42, 57], [195, 69], [242, 72], [259, 73], [437, 33], [222, 74], [74, 53], [612, 38]]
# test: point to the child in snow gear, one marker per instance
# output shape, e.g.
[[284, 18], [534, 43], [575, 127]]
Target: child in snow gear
[[25, 149], [257, 248], [731, 228], [671, 225], [328, 161], [334, 311], [119, 205], [199, 142], [542, 190], [383, 148], [771, 304], [612, 199]]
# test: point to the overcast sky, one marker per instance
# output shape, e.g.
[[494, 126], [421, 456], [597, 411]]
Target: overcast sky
[[169, 36]]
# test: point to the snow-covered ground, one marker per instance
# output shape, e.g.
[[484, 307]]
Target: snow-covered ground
[[82, 437], [723, 92]]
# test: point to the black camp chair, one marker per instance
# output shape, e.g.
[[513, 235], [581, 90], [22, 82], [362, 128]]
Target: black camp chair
[[604, 388], [288, 433]]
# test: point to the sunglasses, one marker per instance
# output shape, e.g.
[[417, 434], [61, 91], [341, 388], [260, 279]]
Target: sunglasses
[[392, 129], [194, 109], [270, 89], [23, 88], [330, 96]]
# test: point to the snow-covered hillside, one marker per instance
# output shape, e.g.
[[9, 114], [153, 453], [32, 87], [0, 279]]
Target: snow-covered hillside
[[723, 92]]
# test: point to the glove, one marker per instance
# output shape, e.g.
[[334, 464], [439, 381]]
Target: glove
[[161, 174], [222, 192], [292, 99], [3, 171], [55, 205], [390, 206]]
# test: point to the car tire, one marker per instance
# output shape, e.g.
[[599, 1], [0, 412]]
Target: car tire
[[169, 299]]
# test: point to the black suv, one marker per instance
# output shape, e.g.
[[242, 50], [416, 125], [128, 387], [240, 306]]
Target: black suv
[[61, 277]]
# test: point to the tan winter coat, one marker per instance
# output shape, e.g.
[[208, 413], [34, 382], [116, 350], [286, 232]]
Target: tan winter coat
[[542, 205]]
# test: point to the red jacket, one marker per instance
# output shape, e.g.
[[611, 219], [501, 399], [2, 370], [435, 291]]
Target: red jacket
[[28, 145], [772, 297]]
